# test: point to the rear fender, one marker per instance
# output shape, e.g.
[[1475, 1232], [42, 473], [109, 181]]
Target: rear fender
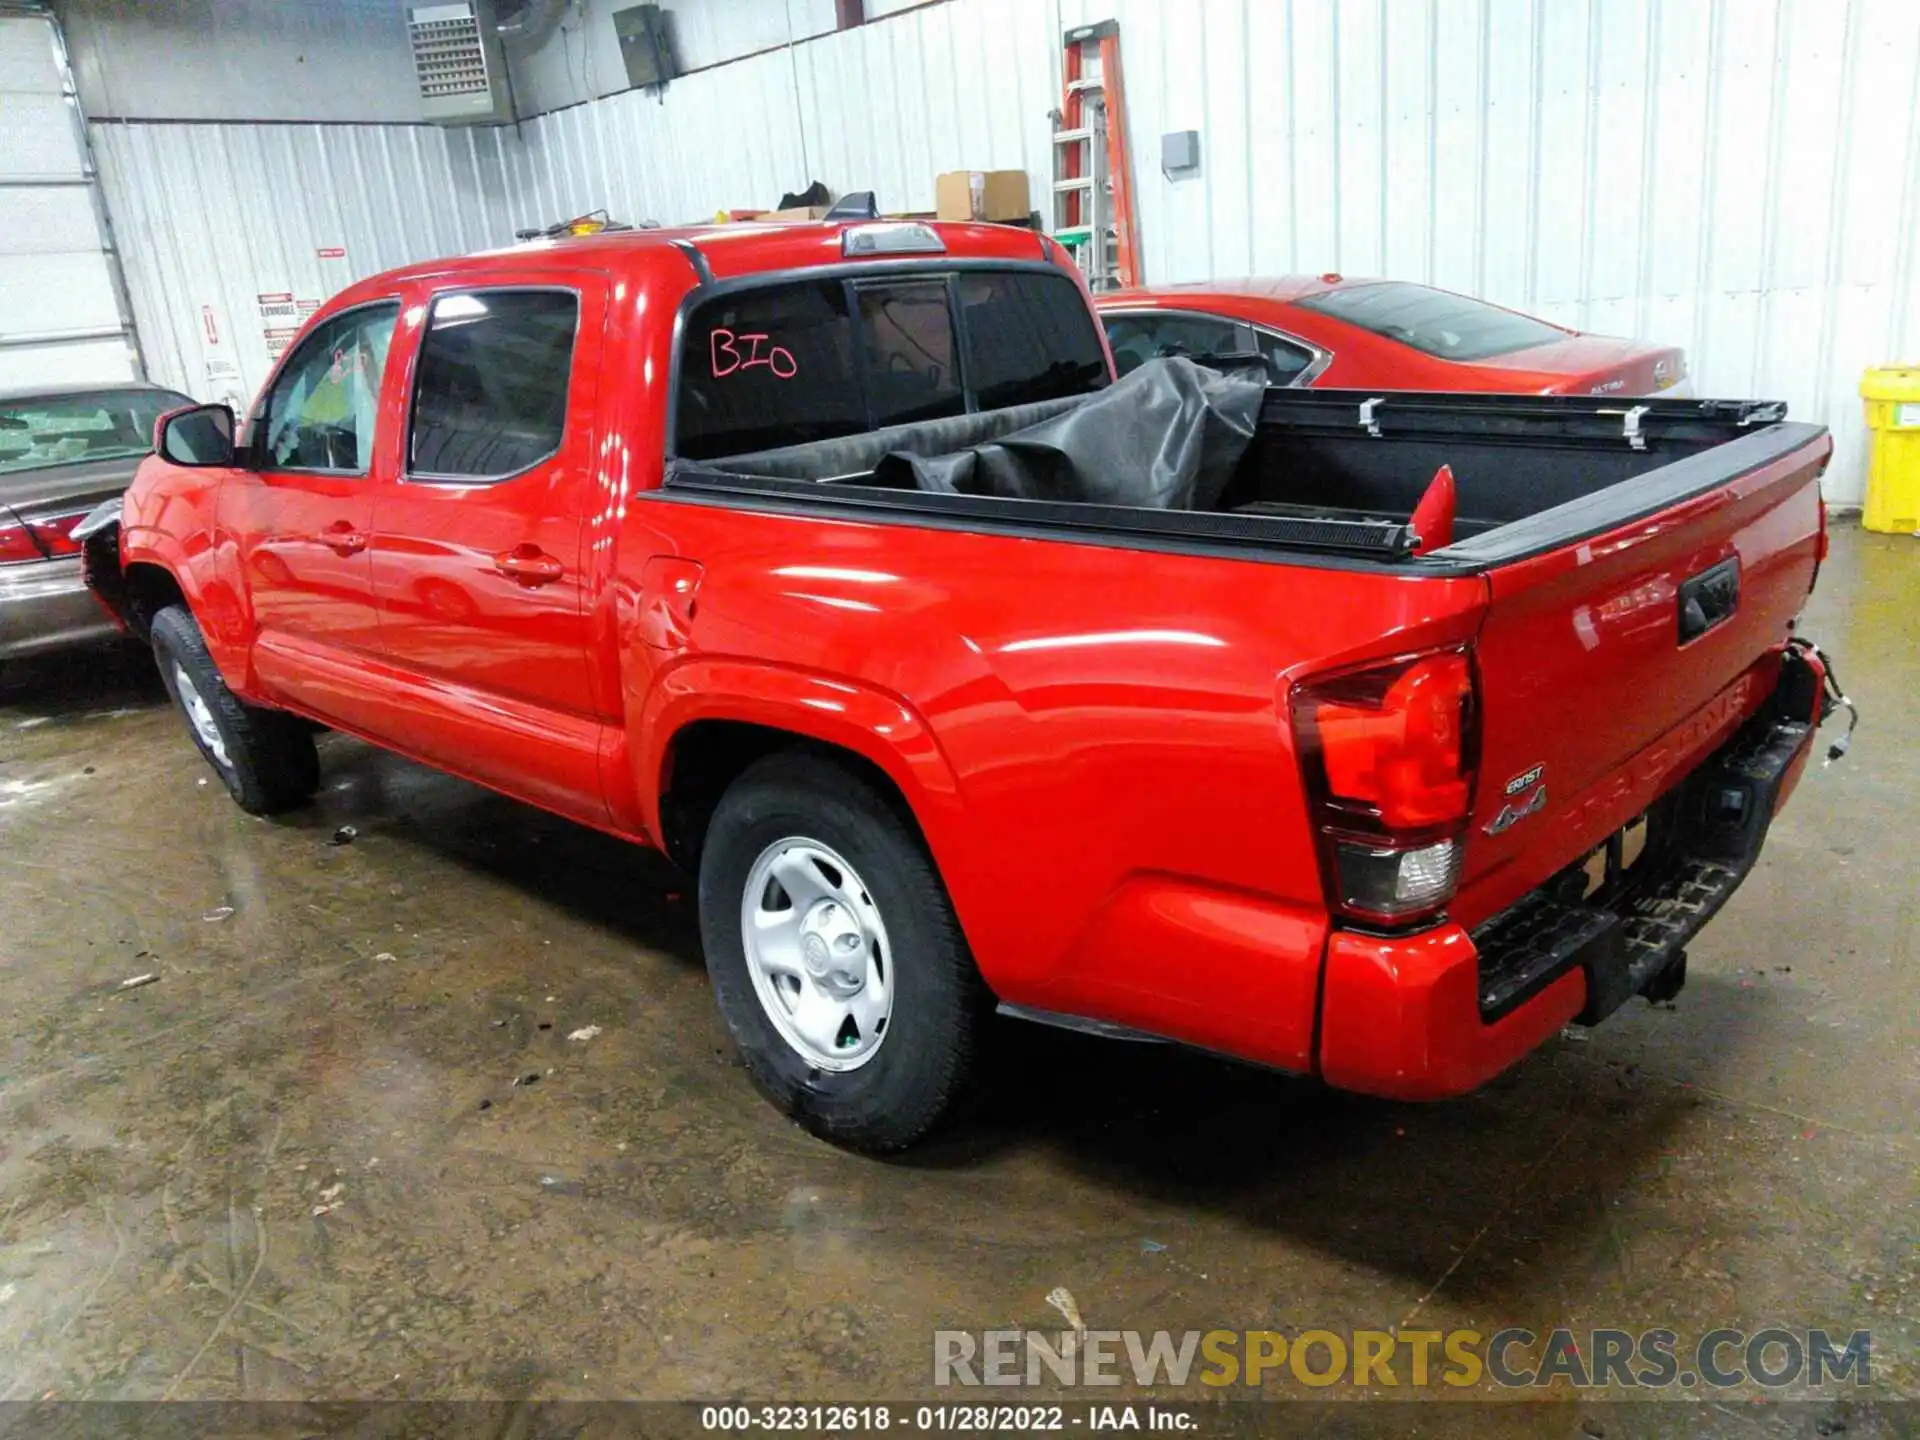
[[871, 723]]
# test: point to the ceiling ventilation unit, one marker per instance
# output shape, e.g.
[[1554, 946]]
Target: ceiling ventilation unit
[[457, 62]]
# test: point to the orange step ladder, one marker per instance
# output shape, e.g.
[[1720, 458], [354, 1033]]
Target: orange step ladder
[[1092, 170]]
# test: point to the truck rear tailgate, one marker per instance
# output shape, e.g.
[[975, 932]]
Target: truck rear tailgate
[[1610, 666]]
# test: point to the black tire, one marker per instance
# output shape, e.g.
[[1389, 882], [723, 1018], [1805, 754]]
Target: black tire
[[940, 1006], [270, 762]]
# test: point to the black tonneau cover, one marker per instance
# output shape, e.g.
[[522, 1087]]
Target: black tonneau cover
[[1166, 437]]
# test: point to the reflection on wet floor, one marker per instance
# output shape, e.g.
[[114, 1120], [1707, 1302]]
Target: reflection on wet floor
[[357, 1140]]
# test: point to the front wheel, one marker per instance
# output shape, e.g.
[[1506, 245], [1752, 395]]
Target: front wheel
[[265, 758], [837, 961]]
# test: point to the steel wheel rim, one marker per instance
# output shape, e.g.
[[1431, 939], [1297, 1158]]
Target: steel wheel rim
[[200, 716], [818, 954]]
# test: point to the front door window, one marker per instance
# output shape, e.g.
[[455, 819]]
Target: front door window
[[320, 413]]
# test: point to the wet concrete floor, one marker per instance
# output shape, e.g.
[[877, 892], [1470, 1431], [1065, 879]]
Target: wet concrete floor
[[349, 1145]]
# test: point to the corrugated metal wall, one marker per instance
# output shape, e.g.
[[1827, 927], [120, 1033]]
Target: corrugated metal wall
[[581, 59], [1741, 177], [227, 231], [344, 60], [729, 136], [883, 107]]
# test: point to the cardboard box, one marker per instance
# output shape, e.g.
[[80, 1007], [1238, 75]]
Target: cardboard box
[[799, 212], [982, 195]]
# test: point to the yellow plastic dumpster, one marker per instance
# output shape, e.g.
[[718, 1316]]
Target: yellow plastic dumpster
[[1892, 396]]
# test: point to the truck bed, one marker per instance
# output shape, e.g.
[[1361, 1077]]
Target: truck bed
[[1332, 472], [1591, 666]]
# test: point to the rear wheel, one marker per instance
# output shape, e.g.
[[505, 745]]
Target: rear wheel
[[836, 959], [265, 758]]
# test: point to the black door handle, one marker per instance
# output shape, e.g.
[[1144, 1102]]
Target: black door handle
[[1709, 598]]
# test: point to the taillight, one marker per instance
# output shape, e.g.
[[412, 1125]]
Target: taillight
[[39, 539], [57, 533], [1389, 754], [17, 545]]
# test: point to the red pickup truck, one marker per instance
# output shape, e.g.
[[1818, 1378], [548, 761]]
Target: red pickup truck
[[831, 560]]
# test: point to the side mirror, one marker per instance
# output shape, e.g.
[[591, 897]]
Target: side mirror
[[195, 435]]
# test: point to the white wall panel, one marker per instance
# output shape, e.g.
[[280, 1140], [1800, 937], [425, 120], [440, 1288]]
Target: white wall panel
[[887, 106], [580, 60], [726, 137], [340, 60], [60, 306], [214, 217], [1741, 177], [884, 106]]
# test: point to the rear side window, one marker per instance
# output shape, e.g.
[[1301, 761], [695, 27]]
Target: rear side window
[[1029, 337], [1451, 327], [814, 359], [1142, 336], [1285, 360], [1137, 339], [490, 393]]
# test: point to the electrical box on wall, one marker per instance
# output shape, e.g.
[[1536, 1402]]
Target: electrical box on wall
[[1179, 153], [458, 64], [645, 45]]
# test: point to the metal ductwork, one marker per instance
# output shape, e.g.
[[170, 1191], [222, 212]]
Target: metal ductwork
[[526, 24]]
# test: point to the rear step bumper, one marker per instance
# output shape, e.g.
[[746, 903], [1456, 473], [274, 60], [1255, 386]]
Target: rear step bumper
[[1631, 935], [1425, 1016]]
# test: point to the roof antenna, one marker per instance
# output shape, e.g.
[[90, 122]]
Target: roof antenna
[[855, 205]]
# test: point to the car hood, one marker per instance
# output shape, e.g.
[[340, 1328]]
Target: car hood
[[82, 481]]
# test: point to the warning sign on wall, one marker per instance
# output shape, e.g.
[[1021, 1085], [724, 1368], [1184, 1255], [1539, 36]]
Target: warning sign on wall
[[279, 321], [281, 317]]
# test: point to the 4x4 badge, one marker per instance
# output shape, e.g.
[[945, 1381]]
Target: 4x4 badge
[[1511, 815]]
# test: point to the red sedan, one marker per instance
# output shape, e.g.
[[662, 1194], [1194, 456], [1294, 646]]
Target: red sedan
[[1357, 334]]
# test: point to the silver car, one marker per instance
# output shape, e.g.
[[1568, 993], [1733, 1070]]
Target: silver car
[[63, 450]]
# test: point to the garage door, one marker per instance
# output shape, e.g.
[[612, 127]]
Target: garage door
[[61, 317]]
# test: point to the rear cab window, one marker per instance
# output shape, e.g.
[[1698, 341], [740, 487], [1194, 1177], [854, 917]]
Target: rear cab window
[[1448, 327], [795, 361]]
